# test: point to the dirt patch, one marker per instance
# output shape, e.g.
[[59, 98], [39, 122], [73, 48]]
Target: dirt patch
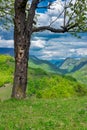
[[5, 92]]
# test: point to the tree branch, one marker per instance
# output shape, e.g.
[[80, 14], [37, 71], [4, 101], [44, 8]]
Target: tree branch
[[56, 18], [65, 13], [72, 26], [21, 3], [31, 14], [43, 28], [51, 29]]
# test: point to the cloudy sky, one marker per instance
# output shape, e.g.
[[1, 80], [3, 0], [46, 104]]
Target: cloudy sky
[[47, 45]]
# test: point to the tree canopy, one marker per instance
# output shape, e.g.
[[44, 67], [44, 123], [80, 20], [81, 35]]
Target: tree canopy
[[74, 14], [6, 13]]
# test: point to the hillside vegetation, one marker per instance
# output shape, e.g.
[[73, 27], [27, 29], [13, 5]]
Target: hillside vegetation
[[72, 65], [34, 62], [44, 114], [41, 83], [76, 68], [81, 75], [6, 69], [51, 110]]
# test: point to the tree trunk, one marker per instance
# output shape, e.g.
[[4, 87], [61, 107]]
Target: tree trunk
[[22, 34], [21, 49], [21, 66]]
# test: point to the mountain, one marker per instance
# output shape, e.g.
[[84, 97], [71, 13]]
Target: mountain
[[81, 74], [68, 64], [71, 65], [57, 62], [41, 84], [7, 51], [77, 68], [34, 62]]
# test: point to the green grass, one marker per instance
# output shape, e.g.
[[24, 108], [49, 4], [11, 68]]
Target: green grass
[[5, 92], [47, 66], [44, 114], [52, 110], [81, 75], [6, 69]]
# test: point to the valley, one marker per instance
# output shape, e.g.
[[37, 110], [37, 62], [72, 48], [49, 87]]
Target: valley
[[76, 68], [60, 97]]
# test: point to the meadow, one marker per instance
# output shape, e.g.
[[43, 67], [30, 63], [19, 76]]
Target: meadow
[[44, 114], [53, 101]]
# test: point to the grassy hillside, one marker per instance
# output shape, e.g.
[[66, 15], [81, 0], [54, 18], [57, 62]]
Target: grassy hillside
[[81, 75], [44, 114], [68, 64], [55, 86], [34, 62], [47, 112], [40, 83], [6, 69], [72, 65], [77, 68]]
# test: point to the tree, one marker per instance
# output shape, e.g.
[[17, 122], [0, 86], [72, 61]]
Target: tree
[[74, 14], [6, 13]]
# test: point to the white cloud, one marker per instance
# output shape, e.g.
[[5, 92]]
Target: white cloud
[[82, 51], [51, 15], [72, 50], [61, 46], [56, 8], [37, 43], [54, 48], [43, 19], [6, 43]]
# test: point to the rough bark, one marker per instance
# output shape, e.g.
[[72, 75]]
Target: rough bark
[[22, 36], [21, 48]]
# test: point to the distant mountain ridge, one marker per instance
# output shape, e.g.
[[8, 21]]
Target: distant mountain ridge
[[34, 62], [7, 51], [77, 68], [70, 66]]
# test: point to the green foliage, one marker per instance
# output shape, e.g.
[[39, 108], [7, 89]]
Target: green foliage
[[40, 83], [6, 69], [44, 65], [77, 14], [6, 13], [76, 68], [44, 114], [55, 86], [69, 64], [81, 75], [72, 65]]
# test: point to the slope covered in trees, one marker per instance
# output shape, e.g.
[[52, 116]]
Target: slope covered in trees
[[41, 83]]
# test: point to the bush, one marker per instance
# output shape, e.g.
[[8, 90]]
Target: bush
[[6, 69], [55, 86]]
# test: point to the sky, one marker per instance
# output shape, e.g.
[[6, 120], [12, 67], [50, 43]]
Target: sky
[[49, 46]]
